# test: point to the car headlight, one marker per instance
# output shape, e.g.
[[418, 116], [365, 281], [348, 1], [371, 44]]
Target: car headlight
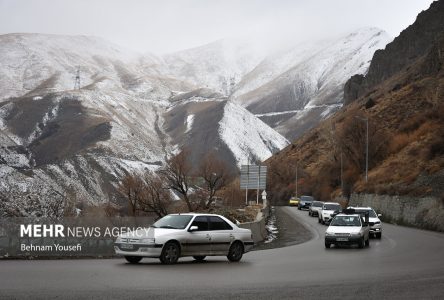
[[147, 241], [329, 234], [119, 239], [356, 234]]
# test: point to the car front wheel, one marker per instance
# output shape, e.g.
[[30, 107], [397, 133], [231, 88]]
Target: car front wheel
[[327, 245], [133, 259], [236, 251], [378, 235], [361, 243], [170, 253]]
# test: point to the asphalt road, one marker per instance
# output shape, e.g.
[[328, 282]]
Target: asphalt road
[[405, 264]]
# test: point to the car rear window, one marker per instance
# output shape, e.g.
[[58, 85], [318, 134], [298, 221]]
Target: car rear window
[[217, 223], [317, 204]]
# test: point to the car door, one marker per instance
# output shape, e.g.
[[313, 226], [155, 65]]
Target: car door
[[221, 235], [198, 241]]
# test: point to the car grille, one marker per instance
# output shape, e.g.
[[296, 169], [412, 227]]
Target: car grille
[[342, 234], [130, 240], [133, 248]]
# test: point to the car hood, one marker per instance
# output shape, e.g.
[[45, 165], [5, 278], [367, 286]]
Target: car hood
[[150, 232], [343, 229]]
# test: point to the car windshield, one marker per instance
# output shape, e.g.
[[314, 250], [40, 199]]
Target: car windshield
[[346, 221], [307, 198], [371, 212], [173, 222], [317, 204], [332, 207]]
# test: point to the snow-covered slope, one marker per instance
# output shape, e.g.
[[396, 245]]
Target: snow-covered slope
[[204, 124], [42, 63], [219, 65], [307, 80], [247, 136]]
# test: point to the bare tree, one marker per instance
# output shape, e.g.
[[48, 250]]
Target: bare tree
[[215, 175], [155, 197], [177, 174], [146, 194], [132, 188]]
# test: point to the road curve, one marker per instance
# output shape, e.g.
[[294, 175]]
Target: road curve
[[405, 264]]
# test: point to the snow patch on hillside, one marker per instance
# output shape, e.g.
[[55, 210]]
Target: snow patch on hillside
[[247, 135], [189, 123]]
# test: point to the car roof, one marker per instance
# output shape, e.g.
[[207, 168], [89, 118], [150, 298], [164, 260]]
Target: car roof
[[194, 214], [360, 207], [348, 215], [332, 203]]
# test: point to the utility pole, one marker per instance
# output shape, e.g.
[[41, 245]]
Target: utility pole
[[366, 146], [248, 180], [77, 80], [296, 180], [258, 182], [342, 179]]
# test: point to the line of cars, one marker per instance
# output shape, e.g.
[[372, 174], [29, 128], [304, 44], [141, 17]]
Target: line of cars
[[353, 225]]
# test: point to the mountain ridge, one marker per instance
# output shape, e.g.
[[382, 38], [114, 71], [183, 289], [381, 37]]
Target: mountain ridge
[[129, 116]]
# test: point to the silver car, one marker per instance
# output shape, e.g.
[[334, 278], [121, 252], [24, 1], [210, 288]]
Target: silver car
[[315, 208], [179, 235]]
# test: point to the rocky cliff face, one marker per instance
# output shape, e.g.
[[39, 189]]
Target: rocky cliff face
[[414, 42]]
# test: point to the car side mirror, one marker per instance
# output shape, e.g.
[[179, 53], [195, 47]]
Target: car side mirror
[[193, 228]]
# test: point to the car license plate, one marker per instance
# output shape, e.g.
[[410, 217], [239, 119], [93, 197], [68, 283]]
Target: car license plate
[[126, 246], [342, 239]]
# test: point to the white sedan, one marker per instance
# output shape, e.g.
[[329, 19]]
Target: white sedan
[[179, 235], [348, 228]]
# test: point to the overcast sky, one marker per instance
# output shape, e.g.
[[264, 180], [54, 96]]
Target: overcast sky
[[168, 25]]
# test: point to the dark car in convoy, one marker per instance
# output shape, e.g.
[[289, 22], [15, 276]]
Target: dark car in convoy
[[305, 202]]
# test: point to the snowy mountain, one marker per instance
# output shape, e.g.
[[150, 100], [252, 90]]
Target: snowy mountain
[[293, 89], [134, 110], [59, 143]]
